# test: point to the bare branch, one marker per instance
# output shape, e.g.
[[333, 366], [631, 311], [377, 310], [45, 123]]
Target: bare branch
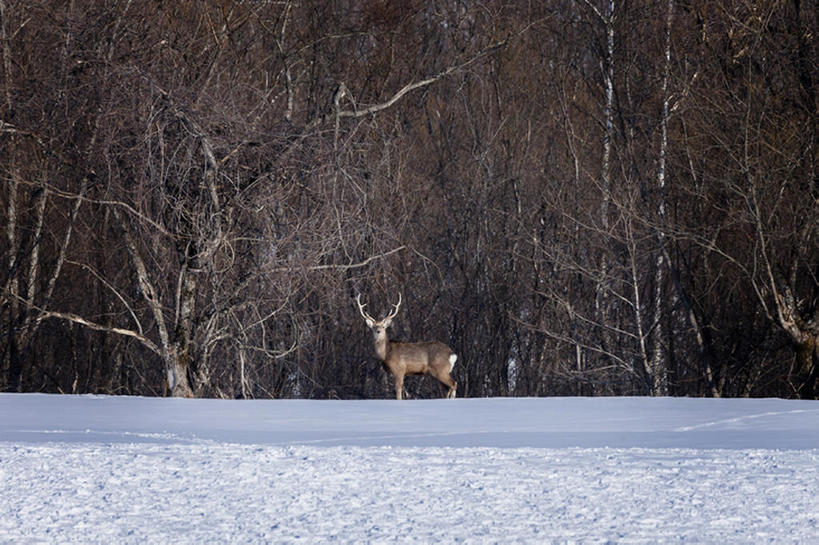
[[99, 327], [337, 267]]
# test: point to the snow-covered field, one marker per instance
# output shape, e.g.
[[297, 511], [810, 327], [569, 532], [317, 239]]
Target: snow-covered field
[[90, 469]]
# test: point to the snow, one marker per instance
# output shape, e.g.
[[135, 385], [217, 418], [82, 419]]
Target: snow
[[95, 469]]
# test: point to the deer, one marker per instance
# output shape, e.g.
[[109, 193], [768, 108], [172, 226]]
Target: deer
[[402, 358]]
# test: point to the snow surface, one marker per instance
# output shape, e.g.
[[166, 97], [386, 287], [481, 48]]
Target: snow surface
[[94, 469]]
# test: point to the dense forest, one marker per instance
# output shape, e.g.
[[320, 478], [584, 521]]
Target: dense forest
[[580, 197]]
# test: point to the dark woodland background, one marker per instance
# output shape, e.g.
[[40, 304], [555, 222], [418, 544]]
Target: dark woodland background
[[582, 197]]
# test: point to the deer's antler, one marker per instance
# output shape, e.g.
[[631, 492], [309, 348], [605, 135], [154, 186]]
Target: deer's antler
[[397, 306], [361, 309]]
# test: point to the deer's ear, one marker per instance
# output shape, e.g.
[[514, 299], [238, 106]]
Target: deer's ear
[[387, 323], [370, 323]]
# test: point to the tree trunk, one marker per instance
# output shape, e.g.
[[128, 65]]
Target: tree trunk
[[808, 356], [659, 364]]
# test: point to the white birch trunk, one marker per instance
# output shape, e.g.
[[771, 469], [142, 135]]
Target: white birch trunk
[[659, 365], [605, 175]]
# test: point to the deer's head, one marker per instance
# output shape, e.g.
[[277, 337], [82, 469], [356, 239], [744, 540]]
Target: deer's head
[[378, 327]]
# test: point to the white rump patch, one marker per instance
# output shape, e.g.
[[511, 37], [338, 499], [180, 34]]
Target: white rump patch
[[452, 360]]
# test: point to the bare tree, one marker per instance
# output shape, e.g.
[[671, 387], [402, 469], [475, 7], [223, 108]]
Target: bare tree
[[193, 193]]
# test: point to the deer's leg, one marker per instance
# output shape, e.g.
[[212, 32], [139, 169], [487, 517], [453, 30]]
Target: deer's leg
[[447, 380], [399, 387]]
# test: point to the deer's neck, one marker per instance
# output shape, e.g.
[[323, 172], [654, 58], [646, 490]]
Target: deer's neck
[[382, 347]]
